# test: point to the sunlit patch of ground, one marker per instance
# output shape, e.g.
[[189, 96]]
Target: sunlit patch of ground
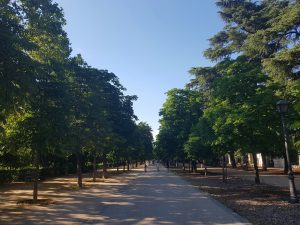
[[17, 207]]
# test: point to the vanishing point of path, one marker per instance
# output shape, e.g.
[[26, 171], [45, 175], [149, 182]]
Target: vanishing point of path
[[151, 198]]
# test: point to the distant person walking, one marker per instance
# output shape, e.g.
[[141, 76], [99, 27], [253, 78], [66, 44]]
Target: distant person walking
[[145, 167], [157, 165]]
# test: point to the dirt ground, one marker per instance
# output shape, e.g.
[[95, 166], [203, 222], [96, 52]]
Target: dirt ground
[[260, 204], [54, 191]]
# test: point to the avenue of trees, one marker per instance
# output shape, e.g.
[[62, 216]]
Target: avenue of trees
[[230, 108], [58, 114]]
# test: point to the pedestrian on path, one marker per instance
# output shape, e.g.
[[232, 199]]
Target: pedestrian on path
[[145, 167]]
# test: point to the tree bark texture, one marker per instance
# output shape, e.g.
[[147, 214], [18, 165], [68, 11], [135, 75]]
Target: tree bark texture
[[94, 168], [257, 180], [79, 170], [286, 166], [104, 170], [264, 162], [224, 172], [36, 178]]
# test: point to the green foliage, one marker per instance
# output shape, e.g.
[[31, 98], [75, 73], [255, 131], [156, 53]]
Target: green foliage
[[144, 142], [238, 114], [179, 113], [266, 32], [198, 144], [16, 77]]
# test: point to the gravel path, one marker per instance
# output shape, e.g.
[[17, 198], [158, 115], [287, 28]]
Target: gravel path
[[151, 198], [261, 204], [164, 198]]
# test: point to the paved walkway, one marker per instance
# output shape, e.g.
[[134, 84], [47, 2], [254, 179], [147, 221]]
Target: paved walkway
[[164, 198], [152, 198]]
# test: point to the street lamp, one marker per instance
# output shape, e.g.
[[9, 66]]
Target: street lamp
[[282, 107]]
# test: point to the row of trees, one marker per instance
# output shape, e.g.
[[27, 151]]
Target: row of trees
[[229, 108], [55, 110]]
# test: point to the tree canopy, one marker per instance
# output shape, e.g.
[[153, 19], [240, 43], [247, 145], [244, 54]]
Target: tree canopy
[[57, 112]]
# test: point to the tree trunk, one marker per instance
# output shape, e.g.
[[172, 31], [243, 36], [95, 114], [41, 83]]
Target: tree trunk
[[66, 168], [257, 180], [124, 164], [128, 164], [94, 169], [264, 162], [79, 170], [189, 166], [245, 162], [224, 175], [285, 169], [232, 159], [36, 179], [183, 165], [104, 170], [205, 168], [117, 167], [194, 166], [35, 188]]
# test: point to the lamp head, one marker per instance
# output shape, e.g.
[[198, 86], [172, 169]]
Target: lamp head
[[282, 106]]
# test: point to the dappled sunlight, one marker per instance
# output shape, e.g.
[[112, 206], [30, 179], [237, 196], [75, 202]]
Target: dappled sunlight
[[153, 198], [65, 194]]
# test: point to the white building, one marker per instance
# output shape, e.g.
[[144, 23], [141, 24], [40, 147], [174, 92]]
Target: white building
[[278, 162]]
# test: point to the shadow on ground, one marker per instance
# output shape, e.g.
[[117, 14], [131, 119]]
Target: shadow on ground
[[261, 204], [152, 198]]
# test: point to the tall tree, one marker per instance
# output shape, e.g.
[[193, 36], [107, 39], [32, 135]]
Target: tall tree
[[268, 32], [180, 111], [241, 110]]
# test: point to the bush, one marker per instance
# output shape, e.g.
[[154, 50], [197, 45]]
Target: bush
[[24, 174], [6, 176]]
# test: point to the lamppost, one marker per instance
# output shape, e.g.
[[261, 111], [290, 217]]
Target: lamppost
[[282, 107]]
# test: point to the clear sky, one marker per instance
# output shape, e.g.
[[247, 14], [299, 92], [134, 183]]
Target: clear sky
[[149, 44]]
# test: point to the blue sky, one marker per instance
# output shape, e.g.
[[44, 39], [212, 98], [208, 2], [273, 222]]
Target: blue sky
[[149, 44]]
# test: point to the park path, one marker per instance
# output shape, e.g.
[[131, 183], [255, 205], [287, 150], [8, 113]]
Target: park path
[[279, 180], [164, 198], [151, 198]]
